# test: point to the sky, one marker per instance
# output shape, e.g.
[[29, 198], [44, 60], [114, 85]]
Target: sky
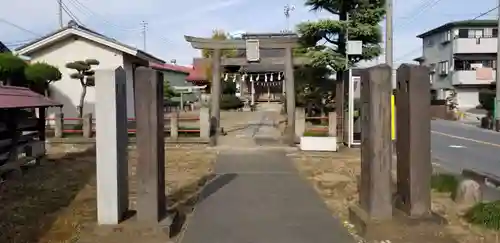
[[168, 21]]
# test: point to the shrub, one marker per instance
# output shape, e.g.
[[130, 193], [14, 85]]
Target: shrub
[[230, 102], [485, 214], [487, 98]]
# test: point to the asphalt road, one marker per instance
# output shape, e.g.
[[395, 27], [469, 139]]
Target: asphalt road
[[456, 146]]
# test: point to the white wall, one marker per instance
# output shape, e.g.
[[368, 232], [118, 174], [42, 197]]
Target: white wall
[[67, 90], [467, 97]]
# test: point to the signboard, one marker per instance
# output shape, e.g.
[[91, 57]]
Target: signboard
[[252, 50], [354, 47]]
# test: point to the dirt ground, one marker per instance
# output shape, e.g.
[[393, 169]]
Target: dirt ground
[[56, 201], [333, 175]]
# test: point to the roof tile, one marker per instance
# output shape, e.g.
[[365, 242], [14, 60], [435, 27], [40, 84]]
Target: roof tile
[[20, 97]]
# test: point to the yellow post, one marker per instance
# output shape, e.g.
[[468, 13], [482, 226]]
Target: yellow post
[[393, 118]]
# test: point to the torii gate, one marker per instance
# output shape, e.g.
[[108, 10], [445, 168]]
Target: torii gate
[[252, 47]]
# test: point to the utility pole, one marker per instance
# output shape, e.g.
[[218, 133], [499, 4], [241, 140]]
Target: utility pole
[[144, 27], [60, 14], [287, 10], [388, 35], [497, 76]]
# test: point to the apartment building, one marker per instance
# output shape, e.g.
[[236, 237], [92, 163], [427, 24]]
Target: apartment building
[[461, 57]]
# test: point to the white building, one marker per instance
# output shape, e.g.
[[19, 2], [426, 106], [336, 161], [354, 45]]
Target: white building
[[77, 43], [461, 56]]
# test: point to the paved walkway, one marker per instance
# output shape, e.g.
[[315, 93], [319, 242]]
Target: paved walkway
[[252, 129], [260, 198]]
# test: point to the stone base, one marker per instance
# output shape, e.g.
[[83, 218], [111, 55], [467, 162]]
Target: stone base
[[130, 230], [372, 229]]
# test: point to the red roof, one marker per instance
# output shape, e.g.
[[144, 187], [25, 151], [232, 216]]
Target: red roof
[[171, 67], [198, 73], [20, 97]]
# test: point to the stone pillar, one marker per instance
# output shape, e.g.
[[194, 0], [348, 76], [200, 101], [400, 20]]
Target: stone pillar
[[414, 168], [59, 125], [174, 125], [111, 145], [300, 121], [87, 125], [151, 199], [204, 123], [290, 96], [215, 99], [332, 124], [375, 188]]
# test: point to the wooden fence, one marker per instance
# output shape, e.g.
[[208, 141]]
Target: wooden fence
[[175, 125], [319, 125]]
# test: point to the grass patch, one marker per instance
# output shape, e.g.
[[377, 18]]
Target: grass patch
[[315, 134], [485, 214], [444, 183]]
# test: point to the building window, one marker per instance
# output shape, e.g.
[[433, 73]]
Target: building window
[[431, 78], [476, 33], [429, 42], [463, 33], [470, 65], [446, 37], [444, 68]]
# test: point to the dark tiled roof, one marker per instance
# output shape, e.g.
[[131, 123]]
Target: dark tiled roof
[[19, 97], [73, 25], [171, 67], [257, 67], [463, 23], [3, 48]]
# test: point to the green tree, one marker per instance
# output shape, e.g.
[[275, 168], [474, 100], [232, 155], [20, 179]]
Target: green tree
[[83, 72], [487, 97], [219, 34], [359, 19], [41, 75], [168, 91], [216, 35], [312, 90], [12, 69]]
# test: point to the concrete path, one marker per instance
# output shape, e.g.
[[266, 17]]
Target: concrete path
[[252, 130], [259, 197]]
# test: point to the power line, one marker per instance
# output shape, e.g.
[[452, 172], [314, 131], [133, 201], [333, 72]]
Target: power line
[[419, 48], [19, 27], [82, 8], [486, 13], [426, 5], [69, 13]]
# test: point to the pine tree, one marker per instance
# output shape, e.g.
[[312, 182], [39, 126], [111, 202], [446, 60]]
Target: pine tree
[[325, 39]]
